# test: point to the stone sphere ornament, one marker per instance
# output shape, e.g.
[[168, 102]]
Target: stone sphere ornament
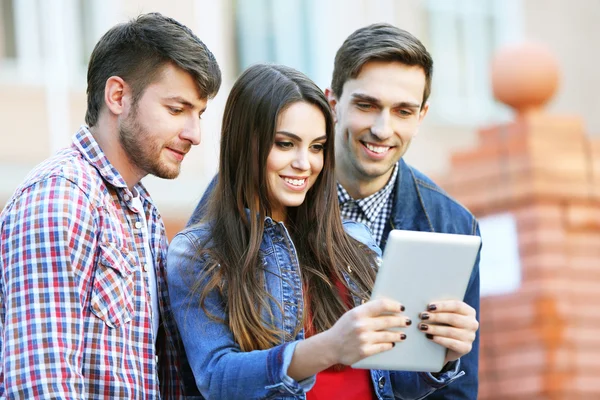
[[525, 76]]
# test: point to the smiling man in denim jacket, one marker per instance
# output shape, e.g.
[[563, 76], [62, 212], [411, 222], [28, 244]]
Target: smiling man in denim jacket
[[381, 83]]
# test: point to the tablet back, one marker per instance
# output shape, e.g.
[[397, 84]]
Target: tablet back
[[419, 268]]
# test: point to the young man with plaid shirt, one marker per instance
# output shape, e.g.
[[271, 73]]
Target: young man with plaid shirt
[[84, 311]]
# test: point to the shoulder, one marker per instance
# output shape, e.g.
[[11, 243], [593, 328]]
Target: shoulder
[[64, 172], [445, 212], [197, 235], [362, 233], [186, 246], [64, 179]]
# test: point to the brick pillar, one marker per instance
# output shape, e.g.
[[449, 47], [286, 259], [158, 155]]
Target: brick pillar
[[543, 341]]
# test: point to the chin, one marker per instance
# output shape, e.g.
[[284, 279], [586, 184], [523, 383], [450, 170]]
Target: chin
[[166, 173]]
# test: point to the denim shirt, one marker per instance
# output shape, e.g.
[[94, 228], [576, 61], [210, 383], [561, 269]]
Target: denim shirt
[[221, 370]]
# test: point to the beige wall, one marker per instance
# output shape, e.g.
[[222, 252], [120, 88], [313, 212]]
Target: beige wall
[[23, 127], [571, 30], [568, 27]]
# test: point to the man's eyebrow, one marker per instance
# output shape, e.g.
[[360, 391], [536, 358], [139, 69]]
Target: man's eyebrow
[[184, 102], [374, 100], [297, 138]]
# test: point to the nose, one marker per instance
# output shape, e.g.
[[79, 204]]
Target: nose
[[382, 127], [191, 131], [301, 161]]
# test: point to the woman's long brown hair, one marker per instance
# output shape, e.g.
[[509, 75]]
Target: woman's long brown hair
[[239, 204]]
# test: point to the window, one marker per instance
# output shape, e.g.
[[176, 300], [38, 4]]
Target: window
[[39, 36], [463, 35], [273, 31], [8, 45]]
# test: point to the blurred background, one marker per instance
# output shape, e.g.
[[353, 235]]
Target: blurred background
[[45, 46]]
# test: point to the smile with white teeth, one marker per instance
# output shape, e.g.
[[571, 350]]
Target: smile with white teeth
[[377, 149], [295, 182]]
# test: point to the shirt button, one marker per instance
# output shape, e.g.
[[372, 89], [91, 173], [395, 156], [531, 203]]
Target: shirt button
[[156, 359], [146, 268], [126, 197], [138, 225], [381, 382]]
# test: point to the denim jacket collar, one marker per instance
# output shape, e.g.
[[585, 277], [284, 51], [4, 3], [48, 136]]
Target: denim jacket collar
[[409, 211]]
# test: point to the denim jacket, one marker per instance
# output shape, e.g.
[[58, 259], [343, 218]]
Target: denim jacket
[[221, 370], [421, 205]]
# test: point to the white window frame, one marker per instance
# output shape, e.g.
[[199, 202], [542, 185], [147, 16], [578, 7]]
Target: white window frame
[[461, 87]]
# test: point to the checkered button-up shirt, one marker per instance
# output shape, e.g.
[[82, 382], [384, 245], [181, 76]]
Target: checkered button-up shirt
[[373, 211], [75, 311]]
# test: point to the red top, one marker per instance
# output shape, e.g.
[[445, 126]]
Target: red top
[[340, 382]]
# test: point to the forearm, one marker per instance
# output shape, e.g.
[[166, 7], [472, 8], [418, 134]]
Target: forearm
[[311, 356], [41, 353]]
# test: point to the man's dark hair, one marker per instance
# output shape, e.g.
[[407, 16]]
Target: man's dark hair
[[379, 42], [138, 50]]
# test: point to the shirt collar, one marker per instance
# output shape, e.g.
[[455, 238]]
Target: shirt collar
[[372, 205], [85, 142]]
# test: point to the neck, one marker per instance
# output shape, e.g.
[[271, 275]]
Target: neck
[[279, 215], [106, 134], [358, 187]]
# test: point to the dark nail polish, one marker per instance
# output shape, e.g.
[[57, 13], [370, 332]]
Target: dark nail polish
[[402, 308], [402, 336], [424, 316], [423, 327], [408, 322], [432, 307], [429, 336], [393, 344]]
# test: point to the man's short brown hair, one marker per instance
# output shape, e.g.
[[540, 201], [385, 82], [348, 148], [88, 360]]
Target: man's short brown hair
[[138, 50], [379, 42]]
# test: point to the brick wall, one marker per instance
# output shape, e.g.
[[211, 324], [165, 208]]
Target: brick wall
[[542, 342]]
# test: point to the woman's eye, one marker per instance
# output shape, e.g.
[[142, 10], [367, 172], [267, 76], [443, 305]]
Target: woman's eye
[[284, 145], [318, 147]]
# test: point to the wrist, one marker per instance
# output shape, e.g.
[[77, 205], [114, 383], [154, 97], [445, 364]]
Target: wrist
[[329, 347]]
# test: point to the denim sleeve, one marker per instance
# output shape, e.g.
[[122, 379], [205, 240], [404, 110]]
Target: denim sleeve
[[467, 387], [221, 369], [419, 385]]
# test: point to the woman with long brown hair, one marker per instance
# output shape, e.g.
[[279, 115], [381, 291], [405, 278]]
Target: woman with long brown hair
[[268, 288]]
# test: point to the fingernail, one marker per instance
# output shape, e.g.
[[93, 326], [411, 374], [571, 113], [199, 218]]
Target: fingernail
[[393, 344], [432, 307], [408, 322], [402, 336], [402, 308], [429, 336], [423, 327], [424, 315]]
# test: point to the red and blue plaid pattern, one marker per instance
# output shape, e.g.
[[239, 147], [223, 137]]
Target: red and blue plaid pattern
[[75, 312]]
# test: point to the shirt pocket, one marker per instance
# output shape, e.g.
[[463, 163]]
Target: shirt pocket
[[113, 290]]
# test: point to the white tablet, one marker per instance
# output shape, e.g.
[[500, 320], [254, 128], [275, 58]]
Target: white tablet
[[419, 268]]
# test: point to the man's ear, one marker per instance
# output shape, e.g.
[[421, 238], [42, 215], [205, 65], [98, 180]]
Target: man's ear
[[423, 112], [332, 100], [117, 95], [422, 115]]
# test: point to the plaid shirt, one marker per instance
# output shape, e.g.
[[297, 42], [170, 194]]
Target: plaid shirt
[[75, 314], [372, 211]]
